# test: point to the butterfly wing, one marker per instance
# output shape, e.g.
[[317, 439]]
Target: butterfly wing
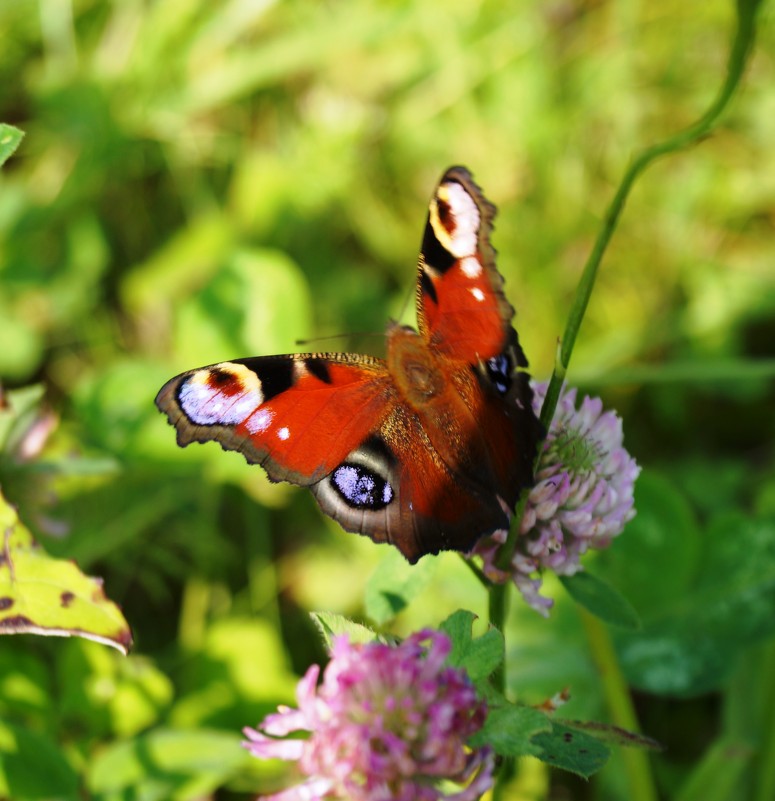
[[466, 321], [461, 308], [333, 423], [297, 416], [427, 451]]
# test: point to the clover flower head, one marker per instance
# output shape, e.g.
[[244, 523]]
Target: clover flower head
[[581, 499], [387, 723]]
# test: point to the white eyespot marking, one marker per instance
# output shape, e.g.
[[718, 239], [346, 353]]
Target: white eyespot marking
[[457, 227], [259, 422], [471, 267], [224, 394], [283, 433], [477, 293]]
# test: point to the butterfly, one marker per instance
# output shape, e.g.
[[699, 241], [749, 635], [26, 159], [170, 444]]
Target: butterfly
[[427, 449]]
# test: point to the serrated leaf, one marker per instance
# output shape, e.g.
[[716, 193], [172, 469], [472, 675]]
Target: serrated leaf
[[510, 730], [478, 657], [10, 139], [571, 750], [332, 625], [458, 628], [601, 600], [393, 584], [51, 597]]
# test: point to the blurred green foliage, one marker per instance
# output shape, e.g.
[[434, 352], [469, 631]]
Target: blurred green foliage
[[203, 181]]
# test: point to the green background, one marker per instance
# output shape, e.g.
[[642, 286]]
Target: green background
[[204, 181]]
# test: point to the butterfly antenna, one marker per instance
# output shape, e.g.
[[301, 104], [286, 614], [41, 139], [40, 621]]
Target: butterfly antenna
[[314, 340]]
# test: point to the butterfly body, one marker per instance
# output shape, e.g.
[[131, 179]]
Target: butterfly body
[[427, 449]]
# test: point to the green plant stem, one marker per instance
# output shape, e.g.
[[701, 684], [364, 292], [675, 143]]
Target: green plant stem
[[742, 45], [498, 609], [616, 692], [483, 580], [636, 762]]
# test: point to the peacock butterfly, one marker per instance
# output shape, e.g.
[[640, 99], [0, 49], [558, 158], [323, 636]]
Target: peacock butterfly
[[427, 449]]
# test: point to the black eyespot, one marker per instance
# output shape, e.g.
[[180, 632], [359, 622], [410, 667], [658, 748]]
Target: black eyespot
[[360, 487]]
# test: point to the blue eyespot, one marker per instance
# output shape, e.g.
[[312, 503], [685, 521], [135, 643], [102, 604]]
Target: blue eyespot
[[361, 488], [499, 371]]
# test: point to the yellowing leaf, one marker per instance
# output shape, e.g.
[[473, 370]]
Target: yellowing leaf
[[43, 595]]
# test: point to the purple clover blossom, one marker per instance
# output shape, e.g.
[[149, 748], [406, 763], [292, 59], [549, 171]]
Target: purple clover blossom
[[387, 723], [582, 497]]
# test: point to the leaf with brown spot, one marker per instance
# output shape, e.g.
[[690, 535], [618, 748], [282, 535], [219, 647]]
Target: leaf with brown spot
[[43, 595], [570, 749]]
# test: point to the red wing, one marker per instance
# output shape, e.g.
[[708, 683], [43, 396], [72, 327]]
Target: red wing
[[461, 308], [298, 416], [396, 488], [397, 457], [333, 422]]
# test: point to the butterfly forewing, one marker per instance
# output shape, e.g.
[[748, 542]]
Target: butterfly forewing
[[298, 416], [461, 307]]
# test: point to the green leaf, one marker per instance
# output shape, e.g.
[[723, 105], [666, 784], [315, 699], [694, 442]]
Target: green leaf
[[478, 657], [458, 628], [601, 599], [42, 595], [613, 735], [664, 532], [32, 768], [394, 584], [166, 765], [510, 730], [570, 749], [10, 138], [730, 605], [332, 625]]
